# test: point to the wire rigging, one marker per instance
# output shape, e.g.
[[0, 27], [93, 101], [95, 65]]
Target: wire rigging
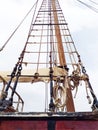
[[17, 27], [93, 2], [89, 6]]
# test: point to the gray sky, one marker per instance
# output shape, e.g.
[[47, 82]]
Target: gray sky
[[83, 25]]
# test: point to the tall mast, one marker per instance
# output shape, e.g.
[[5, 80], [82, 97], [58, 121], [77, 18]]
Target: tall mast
[[58, 35], [70, 104]]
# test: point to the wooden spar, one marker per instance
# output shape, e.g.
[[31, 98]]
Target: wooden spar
[[58, 36], [70, 103]]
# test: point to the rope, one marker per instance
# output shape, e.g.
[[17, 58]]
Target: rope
[[17, 27], [59, 96]]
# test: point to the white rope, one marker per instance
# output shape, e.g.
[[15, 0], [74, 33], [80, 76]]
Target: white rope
[[59, 93]]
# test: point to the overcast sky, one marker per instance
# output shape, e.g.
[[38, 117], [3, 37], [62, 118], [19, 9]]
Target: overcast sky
[[83, 25]]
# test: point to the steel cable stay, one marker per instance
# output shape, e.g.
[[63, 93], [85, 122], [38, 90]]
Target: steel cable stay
[[89, 6], [18, 26], [93, 2]]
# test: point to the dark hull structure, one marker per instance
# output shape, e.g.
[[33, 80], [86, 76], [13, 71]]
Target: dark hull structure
[[49, 121]]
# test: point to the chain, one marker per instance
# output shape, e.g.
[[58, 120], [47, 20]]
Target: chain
[[15, 84], [4, 103]]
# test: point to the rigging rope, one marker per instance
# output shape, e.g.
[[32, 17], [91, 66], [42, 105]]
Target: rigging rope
[[17, 27], [40, 46], [89, 6]]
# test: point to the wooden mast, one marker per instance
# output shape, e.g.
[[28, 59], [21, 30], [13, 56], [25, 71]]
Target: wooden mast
[[70, 103]]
